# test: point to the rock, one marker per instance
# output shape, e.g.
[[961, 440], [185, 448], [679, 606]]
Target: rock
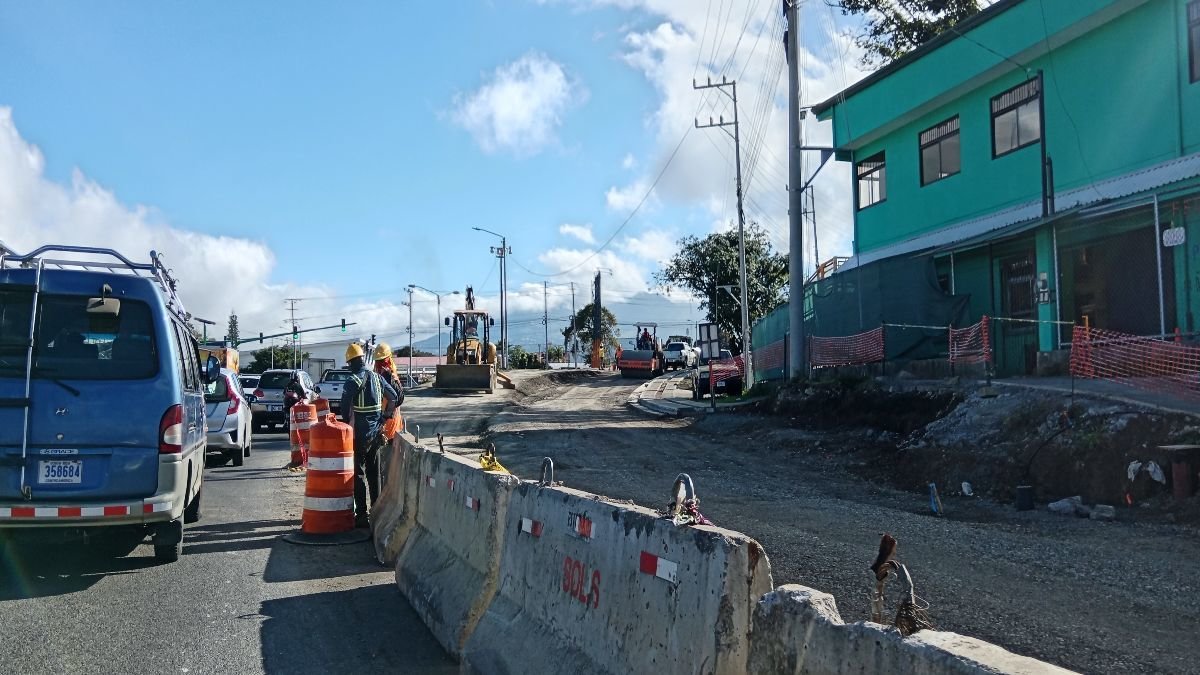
[[1103, 512], [1066, 506]]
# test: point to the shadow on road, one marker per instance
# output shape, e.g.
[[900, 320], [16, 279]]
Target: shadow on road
[[35, 569], [241, 536], [367, 630], [297, 562]]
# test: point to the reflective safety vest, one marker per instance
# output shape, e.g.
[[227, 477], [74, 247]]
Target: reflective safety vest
[[369, 399]]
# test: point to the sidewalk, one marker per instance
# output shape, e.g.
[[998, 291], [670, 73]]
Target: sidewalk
[[1106, 389], [662, 397]]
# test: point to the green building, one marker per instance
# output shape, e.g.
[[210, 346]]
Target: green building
[[1045, 156]]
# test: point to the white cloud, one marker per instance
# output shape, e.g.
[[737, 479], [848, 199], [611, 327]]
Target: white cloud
[[215, 273], [625, 199], [652, 245], [520, 107], [629, 162], [581, 232]]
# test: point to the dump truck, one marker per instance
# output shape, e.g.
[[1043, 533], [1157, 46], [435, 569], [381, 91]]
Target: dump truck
[[471, 357]]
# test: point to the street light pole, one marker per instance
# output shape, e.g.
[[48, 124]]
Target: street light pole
[[410, 331], [439, 312]]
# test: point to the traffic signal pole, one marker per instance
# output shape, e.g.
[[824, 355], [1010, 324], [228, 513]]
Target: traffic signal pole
[[292, 334]]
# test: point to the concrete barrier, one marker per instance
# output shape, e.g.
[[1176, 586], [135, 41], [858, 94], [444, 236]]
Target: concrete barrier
[[798, 630], [450, 561], [588, 586], [394, 514]]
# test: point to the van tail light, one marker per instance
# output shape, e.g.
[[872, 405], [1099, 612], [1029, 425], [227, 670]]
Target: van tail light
[[258, 393], [170, 431]]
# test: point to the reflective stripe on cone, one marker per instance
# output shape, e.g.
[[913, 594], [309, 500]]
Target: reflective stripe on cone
[[344, 463], [328, 503]]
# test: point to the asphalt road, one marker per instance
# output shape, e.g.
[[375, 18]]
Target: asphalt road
[[240, 600]]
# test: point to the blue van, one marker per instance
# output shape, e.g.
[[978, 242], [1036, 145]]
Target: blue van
[[102, 417]]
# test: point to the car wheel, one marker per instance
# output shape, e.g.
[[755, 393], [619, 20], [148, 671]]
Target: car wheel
[[246, 451], [168, 552], [191, 513], [238, 456]]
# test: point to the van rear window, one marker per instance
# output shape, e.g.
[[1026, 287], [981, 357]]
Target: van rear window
[[72, 343]]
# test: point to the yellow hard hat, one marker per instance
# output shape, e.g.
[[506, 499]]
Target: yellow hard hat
[[382, 351], [354, 351]]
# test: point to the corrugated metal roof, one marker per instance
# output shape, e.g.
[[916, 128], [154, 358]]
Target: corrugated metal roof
[[1105, 191]]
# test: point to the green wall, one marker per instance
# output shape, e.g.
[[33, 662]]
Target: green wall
[[1115, 101]]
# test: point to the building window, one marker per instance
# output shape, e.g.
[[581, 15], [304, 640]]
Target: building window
[[1194, 39], [1015, 122], [872, 181], [939, 151], [1017, 285]]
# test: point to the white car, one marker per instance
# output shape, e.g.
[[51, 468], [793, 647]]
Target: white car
[[228, 417], [678, 355]]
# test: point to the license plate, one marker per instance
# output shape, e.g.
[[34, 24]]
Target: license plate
[[52, 472], [274, 408]]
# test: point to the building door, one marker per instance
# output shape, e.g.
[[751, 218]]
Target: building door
[[1015, 334]]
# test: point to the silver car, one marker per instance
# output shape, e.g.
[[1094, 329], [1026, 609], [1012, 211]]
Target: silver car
[[228, 416], [268, 409]]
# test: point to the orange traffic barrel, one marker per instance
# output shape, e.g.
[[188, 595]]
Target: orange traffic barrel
[[304, 414], [322, 408], [329, 484]]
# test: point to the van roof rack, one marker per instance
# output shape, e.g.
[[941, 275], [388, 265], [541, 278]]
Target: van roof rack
[[155, 269]]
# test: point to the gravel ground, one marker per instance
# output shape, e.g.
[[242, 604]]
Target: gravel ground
[[1039, 584]]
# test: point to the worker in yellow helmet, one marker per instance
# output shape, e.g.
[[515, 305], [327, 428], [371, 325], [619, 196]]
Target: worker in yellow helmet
[[364, 398], [385, 367]]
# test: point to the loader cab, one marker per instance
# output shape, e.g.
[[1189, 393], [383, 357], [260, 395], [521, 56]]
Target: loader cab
[[470, 332]]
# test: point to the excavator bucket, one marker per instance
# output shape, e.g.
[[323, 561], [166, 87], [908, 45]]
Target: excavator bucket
[[470, 377]]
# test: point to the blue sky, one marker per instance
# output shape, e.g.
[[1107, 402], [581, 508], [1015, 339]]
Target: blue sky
[[344, 151]]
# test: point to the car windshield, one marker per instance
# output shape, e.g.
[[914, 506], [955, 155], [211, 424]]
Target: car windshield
[[275, 380], [337, 376], [72, 342]]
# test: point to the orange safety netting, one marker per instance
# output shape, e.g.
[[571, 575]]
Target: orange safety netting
[[852, 350], [770, 356], [1139, 361], [971, 344]]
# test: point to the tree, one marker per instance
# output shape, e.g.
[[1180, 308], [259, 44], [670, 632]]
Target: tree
[[702, 265], [893, 28], [609, 333], [232, 334], [403, 351], [557, 354], [283, 355]]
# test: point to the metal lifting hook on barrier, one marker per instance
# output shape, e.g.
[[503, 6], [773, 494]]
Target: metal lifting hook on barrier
[[685, 507], [547, 479]]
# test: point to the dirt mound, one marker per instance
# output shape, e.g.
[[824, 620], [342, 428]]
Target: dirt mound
[[851, 402], [544, 382]]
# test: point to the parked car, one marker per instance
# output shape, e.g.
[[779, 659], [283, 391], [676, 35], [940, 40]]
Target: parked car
[[228, 416], [678, 355], [331, 385], [105, 429], [268, 408], [726, 373], [249, 382]]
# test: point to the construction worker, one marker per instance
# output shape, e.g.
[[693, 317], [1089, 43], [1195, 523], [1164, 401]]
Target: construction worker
[[364, 397], [385, 367]]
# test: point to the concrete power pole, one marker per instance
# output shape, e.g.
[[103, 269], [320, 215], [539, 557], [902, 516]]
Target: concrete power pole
[[737, 153], [574, 337], [546, 318], [795, 346], [410, 332], [597, 326]]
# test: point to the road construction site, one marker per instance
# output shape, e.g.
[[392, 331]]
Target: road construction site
[[1064, 590]]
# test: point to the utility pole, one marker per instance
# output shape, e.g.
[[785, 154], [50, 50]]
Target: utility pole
[[797, 364], [502, 253], [597, 319], [295, 352], [410, 331], [737, 154], [546, 318], [574, 337]]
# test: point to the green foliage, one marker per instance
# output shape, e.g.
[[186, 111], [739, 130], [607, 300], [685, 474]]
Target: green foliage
[[232, 334], [283, 355], [583, 325], [702, 265], [403, 351], [557, 353], [518, 358], [893, 28]]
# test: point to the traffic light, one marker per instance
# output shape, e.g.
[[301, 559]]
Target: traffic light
[[260, 338], [295, 332], [343, 325]]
